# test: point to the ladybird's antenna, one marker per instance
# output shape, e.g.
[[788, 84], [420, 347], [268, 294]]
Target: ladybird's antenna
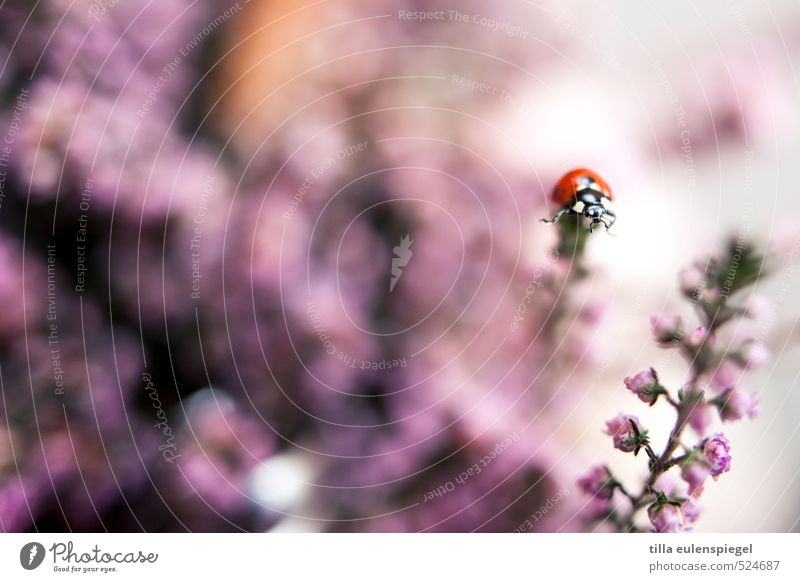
[[608, 226]]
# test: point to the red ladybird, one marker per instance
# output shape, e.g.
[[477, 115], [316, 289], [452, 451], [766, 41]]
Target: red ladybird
[[582, 191]]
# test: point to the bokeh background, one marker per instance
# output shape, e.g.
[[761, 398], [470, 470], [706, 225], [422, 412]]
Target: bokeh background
[[199, 207]]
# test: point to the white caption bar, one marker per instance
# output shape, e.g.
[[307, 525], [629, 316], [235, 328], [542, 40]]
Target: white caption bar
[[390, 557]]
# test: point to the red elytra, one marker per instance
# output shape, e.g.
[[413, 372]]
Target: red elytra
[[576, 180]]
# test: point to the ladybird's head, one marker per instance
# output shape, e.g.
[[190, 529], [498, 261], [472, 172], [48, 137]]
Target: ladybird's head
[[597, 215], [594, 212]]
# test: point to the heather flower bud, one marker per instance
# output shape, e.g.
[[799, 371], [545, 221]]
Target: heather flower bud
[[725, 375], [645, 386], [691, 279], [755, 355], [597, 482], [698, 337], [666, 328], [666, 517], [757, 307], [733, 404], [626, 438], [716, 454], [701, 417], [691, 509], [695, 473], [712, 295]]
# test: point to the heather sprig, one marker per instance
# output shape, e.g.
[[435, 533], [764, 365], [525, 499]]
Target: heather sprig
[[711, 387]]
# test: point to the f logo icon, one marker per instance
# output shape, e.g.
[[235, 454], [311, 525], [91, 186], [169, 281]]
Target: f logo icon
[[31, 555]]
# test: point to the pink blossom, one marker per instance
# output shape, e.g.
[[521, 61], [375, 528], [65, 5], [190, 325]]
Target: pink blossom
[[643, 385], [701, 417], [695, 474], [758, 307], [621, 430], [691, 509], [716, 451], [711, 295], [735, 405], [755, 355], [665, 327], [596, 482], [668, 483], [691, 279], [726, 374], [666, 518], [698, 337]]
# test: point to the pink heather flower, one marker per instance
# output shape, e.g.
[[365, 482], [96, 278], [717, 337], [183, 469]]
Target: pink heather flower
[[726, 374], [757, 307], [711, 295], [695, 474], [716, 452], [665, 327], [701, 417], [643, 385], [691, 279], [666, 518], [698, 336], [668, 483], [620, 429], [755, 355], [691, 509], [596, 482], [735, 405]]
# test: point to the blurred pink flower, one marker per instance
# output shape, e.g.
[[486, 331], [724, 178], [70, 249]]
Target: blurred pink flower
[[695, 473], [643, 385], [755, 355], [666, 517], [622, 432], [596, 482], [716, 453], [701, 417], [666, 327], [734, 404]]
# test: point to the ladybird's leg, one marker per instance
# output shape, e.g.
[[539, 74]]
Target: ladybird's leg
[[560, 214], [608, 219], [608, 222]]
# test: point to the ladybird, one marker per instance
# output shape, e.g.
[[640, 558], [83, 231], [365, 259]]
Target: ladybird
[[583, 191]]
